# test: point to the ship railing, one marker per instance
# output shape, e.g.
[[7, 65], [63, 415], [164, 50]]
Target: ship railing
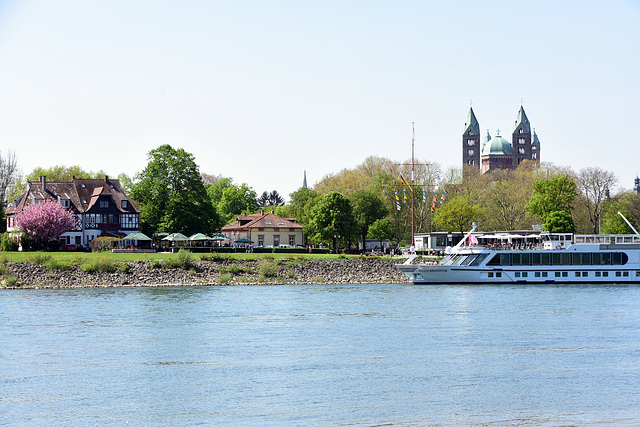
[[609, 239]]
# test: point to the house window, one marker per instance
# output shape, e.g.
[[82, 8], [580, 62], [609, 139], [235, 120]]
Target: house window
[[104, 203], [534, 156], [471, 162], [276, 240], [292, 240], [276, 229], [66, 203], [124, 204], [470, 152], [260, 240], [260, 229]]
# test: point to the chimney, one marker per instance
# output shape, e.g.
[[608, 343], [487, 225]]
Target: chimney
[[43, 182], [106, 178], [261, 211]]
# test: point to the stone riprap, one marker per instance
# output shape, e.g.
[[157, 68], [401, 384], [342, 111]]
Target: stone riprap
[[210, 273]]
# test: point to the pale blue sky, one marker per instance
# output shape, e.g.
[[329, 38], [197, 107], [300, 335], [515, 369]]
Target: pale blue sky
[[262, 90]]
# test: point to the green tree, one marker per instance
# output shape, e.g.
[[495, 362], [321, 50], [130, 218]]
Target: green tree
[[171, 194], [232, 200], [367, 209], [301, 204], [552, 195], [332, 217], [61, 173], [458, 214], [380, 230], [559, 222], [613, 223]]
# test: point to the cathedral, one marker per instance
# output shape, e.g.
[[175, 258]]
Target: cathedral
[[497, 152]]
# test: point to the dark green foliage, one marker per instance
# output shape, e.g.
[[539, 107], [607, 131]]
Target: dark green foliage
[[367, 209], [267, 269], [552, 195], [332, 216], [101, 244], [172, 195], [7, 243], [99, 265], [183, 260]]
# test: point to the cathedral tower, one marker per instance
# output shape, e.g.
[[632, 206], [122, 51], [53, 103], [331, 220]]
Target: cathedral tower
[[521, 139], [471, 141]]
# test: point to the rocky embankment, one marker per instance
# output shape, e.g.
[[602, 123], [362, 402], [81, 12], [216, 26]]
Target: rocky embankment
[[207, 273]]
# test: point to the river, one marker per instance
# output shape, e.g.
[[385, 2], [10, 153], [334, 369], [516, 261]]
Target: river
[[307, 355]]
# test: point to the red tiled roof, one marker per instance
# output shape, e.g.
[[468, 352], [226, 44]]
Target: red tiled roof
[[266, 220]]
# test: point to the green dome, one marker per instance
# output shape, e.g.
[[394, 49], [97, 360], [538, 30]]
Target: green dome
[[497, 146]]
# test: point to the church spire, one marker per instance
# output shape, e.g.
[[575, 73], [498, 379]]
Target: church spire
[[523, 120], [304, 181], [471, 124]]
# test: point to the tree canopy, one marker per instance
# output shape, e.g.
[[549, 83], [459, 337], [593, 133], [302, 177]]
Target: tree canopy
[[332, 216], [231, 200], [45, 221], [552, 195], [171, 194]]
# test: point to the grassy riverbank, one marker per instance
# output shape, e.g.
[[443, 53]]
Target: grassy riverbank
[[61, 270]]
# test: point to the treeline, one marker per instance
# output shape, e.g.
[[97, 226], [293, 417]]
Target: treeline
[[374, 199]]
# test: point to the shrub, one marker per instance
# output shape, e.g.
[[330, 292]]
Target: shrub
[[7, 243], [224, 278], [57, 265], [99, 265], [100, 244], [10, 281], [182, 260], [267, 269], [234, 269], [39, 258], [215, 257], [125, 267]]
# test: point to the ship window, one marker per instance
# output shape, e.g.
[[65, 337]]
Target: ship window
[[515, 259], [582, 259], [546, 259], [606, 258], [498, 274], [556, 259], [537, 274], [557, 274], [598, 274], [577, 274], [495, 260], [617, 258], [596, 259], [517, 274], [459, 260], [479, 259], [544, 274], [490, 274], [585, 274], [469, 260], [565, 274], [535, 259], [618, 273], [504, 259], [525, 274], [637, 273], [526, 259], [605, 274], [566, 259], [625, 274]]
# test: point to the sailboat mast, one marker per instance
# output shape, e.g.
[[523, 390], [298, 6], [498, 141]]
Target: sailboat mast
[[413, 138]]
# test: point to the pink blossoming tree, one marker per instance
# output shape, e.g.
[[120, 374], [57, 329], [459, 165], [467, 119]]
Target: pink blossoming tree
[[45, 221]]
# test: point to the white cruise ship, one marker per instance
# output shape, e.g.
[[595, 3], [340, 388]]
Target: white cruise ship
[[557, 258]]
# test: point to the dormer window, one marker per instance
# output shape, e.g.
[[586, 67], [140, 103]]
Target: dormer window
[[66, 203], [124, 204], [280, 223], [104, 203], [268, 223], [521, 130]]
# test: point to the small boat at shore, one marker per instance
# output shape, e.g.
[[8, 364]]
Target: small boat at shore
[[557, 258]]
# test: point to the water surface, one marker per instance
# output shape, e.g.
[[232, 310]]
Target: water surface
[[321, 355]]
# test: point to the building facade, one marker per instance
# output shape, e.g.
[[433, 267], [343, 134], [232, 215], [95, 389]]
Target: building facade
[[100, 207], [498, 153], [266, 229]]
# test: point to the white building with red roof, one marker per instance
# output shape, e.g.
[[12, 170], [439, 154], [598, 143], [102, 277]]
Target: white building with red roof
[[266, 229]]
